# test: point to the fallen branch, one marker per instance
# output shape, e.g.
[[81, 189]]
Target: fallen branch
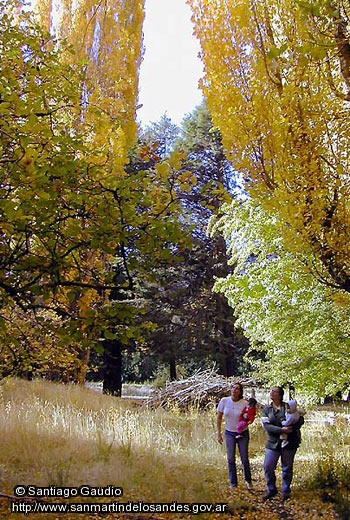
[[202, 390]]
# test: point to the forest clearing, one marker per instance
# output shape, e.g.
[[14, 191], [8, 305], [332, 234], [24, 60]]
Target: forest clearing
[[69, 436], [132, 254]]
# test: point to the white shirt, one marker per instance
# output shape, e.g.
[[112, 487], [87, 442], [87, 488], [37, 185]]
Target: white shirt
[[231, 410]]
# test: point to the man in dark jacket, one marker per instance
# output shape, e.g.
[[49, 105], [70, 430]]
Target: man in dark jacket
[[271, 418]]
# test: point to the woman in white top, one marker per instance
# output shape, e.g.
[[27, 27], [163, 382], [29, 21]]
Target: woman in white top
[[231, 408]]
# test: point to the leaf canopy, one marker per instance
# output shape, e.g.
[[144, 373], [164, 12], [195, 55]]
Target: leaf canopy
[[297, 327], [277, 84]]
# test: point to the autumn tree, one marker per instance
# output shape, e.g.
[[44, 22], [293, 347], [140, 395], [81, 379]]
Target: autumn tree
[[78, 226], [46, 199], [277, 84]]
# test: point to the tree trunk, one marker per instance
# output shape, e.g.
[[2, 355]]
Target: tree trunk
[[172, 367], [82, 366], [112, 380]]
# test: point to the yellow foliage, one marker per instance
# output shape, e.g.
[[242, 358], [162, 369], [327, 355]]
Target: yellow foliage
[[107, 42], [275, 90], [86, 302], [106, 39]]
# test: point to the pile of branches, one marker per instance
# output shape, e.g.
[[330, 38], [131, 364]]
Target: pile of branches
[[202, 390]]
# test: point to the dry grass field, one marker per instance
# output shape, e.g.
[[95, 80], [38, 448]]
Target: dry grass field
[[59, 436]]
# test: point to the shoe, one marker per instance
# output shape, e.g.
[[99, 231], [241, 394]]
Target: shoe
[[285, 496], [233, 486], [269, 495], [249, 486]]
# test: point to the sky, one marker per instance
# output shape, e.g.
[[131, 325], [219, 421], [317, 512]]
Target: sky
[[171, 69]]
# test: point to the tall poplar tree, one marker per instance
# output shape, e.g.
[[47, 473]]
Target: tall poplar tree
[[277, 84], [107, 41]]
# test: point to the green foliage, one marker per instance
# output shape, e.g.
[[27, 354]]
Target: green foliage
[[298, 326], [193, 325], [80, 229], [161, 137], [44, 188], [45, 195], [43, 202]]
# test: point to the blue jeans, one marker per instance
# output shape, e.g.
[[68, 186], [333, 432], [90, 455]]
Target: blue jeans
[[270, 464], [231, 443]]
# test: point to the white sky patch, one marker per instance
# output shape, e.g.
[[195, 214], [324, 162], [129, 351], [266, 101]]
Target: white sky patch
[[171, 69]]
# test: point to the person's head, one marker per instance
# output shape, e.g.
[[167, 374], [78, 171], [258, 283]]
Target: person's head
[[237, 391], [291, 406], [277, 394], [252, 402]]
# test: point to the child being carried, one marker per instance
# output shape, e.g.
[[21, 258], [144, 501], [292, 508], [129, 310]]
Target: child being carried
[[247, 416], [292, 416]]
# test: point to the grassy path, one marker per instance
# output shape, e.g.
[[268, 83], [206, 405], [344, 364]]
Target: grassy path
[[241, 505]]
